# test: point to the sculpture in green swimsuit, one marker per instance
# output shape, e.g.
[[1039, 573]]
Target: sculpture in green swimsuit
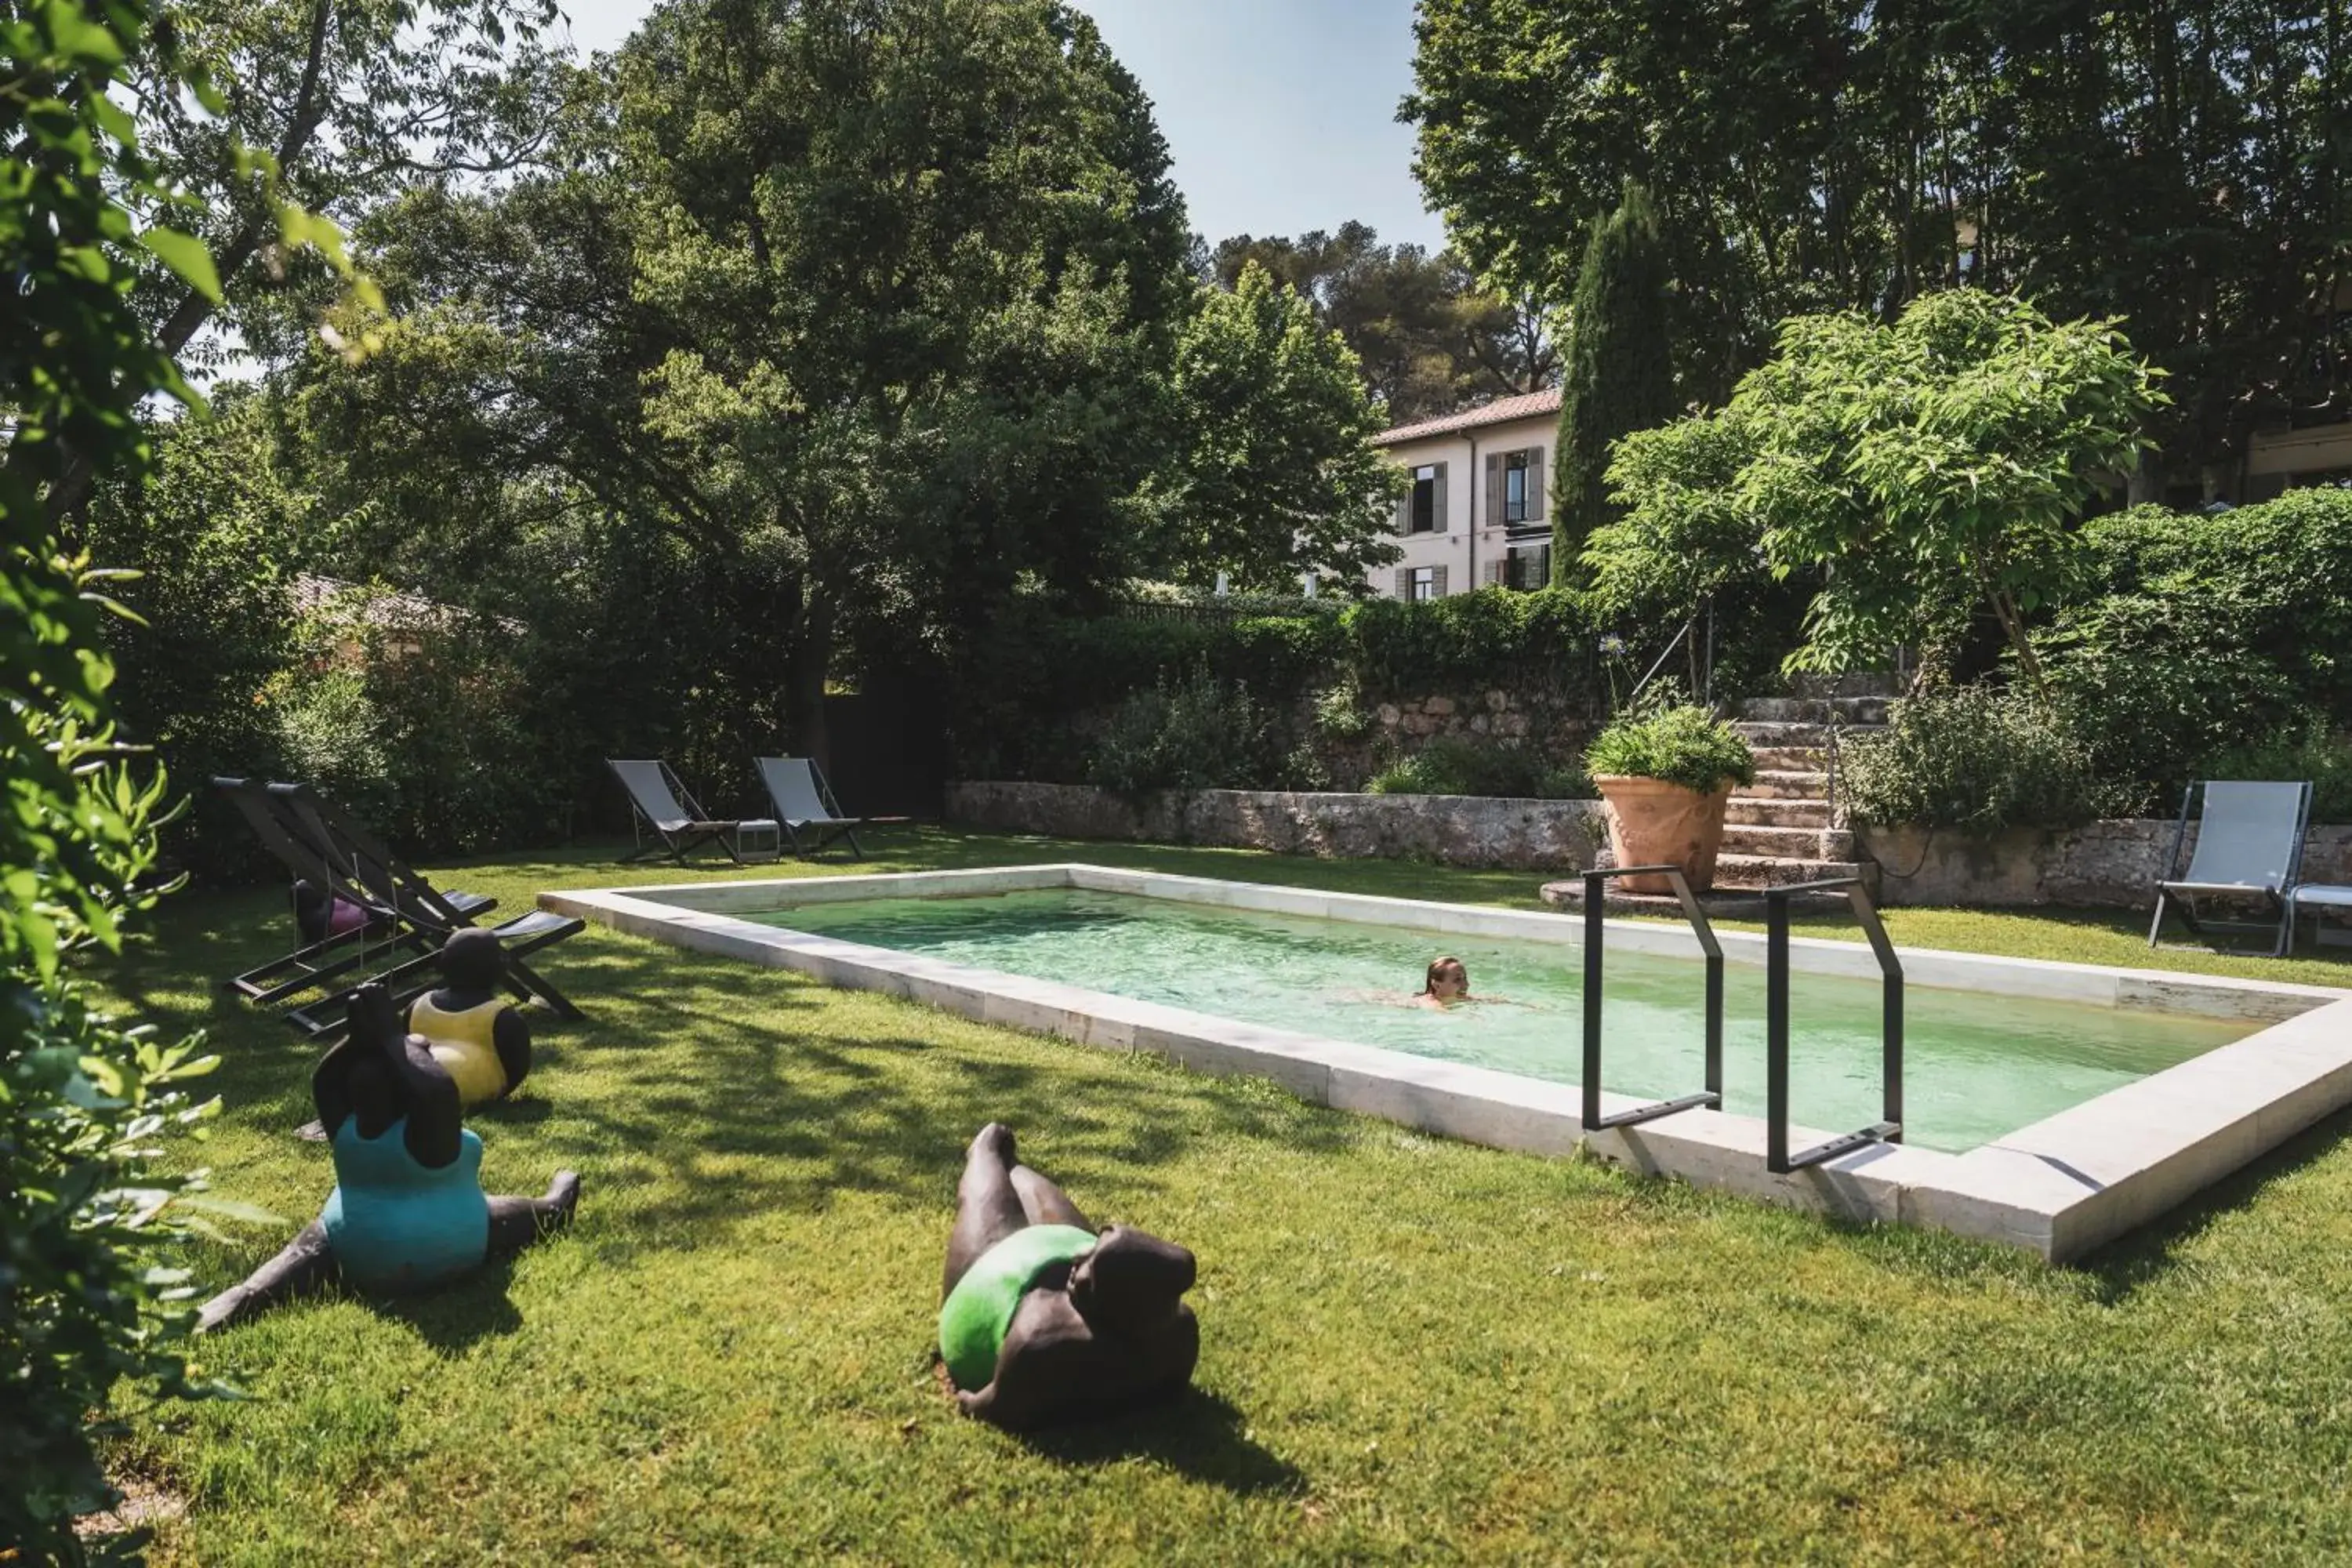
[[1044, 1317], [408, 1210]]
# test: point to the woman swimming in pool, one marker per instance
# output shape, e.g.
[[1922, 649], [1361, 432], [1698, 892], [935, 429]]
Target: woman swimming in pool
[[1447, 983]]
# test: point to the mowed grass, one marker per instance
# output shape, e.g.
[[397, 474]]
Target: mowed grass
[[1414, 1351]]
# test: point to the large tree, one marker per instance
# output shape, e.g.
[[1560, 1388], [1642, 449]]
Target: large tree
[[2185, 165], [1430, 337], [1619, 372], [1273, 474], [1930, 470], [862, 302]]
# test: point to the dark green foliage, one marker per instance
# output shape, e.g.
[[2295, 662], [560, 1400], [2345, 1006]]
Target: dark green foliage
[[1684, 745], [1456, 764], [2315, 750], [1466, 640], [2211, 635], [1619, 370], [2180, 166], [1200, 733], [1975, 759], [88, 1306]]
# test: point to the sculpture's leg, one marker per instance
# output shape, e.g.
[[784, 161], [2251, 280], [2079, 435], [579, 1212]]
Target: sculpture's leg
[[1044, 1202], [987, 1206], [516, 1222], [307, 1264]]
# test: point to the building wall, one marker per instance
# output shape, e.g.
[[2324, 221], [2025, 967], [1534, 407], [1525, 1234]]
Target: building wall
[[1465, 453]]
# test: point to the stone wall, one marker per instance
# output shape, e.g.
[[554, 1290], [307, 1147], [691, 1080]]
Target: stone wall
[[2109, 864], [1556, 835]]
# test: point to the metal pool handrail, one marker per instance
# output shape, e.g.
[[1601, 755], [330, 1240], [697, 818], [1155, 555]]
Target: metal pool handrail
[[1595, 882], [1777, 1158]]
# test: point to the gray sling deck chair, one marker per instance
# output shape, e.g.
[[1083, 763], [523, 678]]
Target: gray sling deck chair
[[805, 805], [661, 803], [2248, 847]]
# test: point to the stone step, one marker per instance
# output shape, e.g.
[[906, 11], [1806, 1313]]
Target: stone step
[[1852, 683], [1791, 843], [1744, 871], [1850, 711], [1779, 784], [1792, 758], [1814, 813], [1780, 732]]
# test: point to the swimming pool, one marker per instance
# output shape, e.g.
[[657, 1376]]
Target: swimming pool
[[1977, 1065], [2050, 1106]]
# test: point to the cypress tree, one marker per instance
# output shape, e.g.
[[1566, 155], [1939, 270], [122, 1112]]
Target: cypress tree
[[1619, 370]]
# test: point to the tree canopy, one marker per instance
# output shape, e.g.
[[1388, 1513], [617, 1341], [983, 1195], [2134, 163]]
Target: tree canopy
[[1620, 372], [2182, 166], [1928, 468]]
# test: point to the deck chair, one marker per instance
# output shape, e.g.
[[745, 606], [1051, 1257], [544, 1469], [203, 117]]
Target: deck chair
[[357, 859], [2248, 847], [805, 805], [320, 963], [678, 823]]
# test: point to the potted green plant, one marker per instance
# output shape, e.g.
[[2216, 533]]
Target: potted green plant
[[1666, 775]]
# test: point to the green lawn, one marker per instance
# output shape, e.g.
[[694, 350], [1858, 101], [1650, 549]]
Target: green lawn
[[1413, 1350]]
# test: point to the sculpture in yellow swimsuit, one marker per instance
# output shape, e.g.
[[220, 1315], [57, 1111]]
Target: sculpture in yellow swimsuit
[[479, 1038]]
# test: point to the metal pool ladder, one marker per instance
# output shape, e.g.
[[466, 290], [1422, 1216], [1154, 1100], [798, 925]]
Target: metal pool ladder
[[1777, 1158], [1595, 882]]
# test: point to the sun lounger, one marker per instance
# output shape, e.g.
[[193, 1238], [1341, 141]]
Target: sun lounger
[[2249, 848], [677, 822], [805, 804]]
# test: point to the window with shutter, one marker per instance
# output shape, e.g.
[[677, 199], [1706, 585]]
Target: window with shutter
[[1495, 573], [1405, 583], [1535, 496], [1438, 500], [1437, 581], [1497, 482]]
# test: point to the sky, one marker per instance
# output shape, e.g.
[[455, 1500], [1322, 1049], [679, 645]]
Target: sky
[[1281, 114]]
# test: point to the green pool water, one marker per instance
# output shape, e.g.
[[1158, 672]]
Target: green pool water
[[1978, 1065]]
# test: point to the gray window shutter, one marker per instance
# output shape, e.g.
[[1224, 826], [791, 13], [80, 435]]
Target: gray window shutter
[[1405, 581], [1437, 581], [1543, 569], [1438, 496], [1493, 490], [1535, 496], [1402, 522], [1495, 566]]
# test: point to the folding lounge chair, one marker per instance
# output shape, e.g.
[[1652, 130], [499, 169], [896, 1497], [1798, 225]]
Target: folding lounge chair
[[805, 805], [679, 824], [358, 860], [319, 963], [2249, 845]]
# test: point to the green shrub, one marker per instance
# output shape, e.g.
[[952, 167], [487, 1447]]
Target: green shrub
[[1457, 764], [1686, 744], [1464, 640], [2314, 751], [1197, 733], [1977, 759]]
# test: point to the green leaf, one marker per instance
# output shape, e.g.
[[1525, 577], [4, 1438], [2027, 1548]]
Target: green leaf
[[185, 255]]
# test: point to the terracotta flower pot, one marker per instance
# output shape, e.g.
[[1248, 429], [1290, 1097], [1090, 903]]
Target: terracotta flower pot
[[1653, 823]]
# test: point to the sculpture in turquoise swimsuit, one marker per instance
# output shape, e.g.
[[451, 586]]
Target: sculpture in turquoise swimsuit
[[408, 1210], [1044, 1317]]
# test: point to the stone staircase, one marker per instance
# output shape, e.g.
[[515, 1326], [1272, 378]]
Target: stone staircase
[[1782, 829]]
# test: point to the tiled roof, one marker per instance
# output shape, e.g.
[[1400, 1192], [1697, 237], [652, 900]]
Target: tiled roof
[[315, 595], [1502, 411]]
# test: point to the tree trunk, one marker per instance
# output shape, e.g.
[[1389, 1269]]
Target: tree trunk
[[804, 690]]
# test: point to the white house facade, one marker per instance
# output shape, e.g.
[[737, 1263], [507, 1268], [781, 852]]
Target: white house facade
[[1478, 511]]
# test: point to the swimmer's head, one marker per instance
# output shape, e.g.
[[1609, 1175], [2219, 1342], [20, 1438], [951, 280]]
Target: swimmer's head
[[1447, 981]]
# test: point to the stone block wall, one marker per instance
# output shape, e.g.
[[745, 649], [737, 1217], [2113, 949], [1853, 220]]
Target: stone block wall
[[2110, 865], [1551, 836]]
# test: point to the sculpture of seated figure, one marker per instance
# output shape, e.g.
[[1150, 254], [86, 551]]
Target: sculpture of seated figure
[[408, 1211], [1044, 1317], [475, 1033], [318, 915]]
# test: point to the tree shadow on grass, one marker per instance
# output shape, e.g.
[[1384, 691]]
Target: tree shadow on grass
[[1198, 1435]]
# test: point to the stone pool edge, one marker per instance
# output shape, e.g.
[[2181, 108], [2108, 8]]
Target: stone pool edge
[[2058, 1188]]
